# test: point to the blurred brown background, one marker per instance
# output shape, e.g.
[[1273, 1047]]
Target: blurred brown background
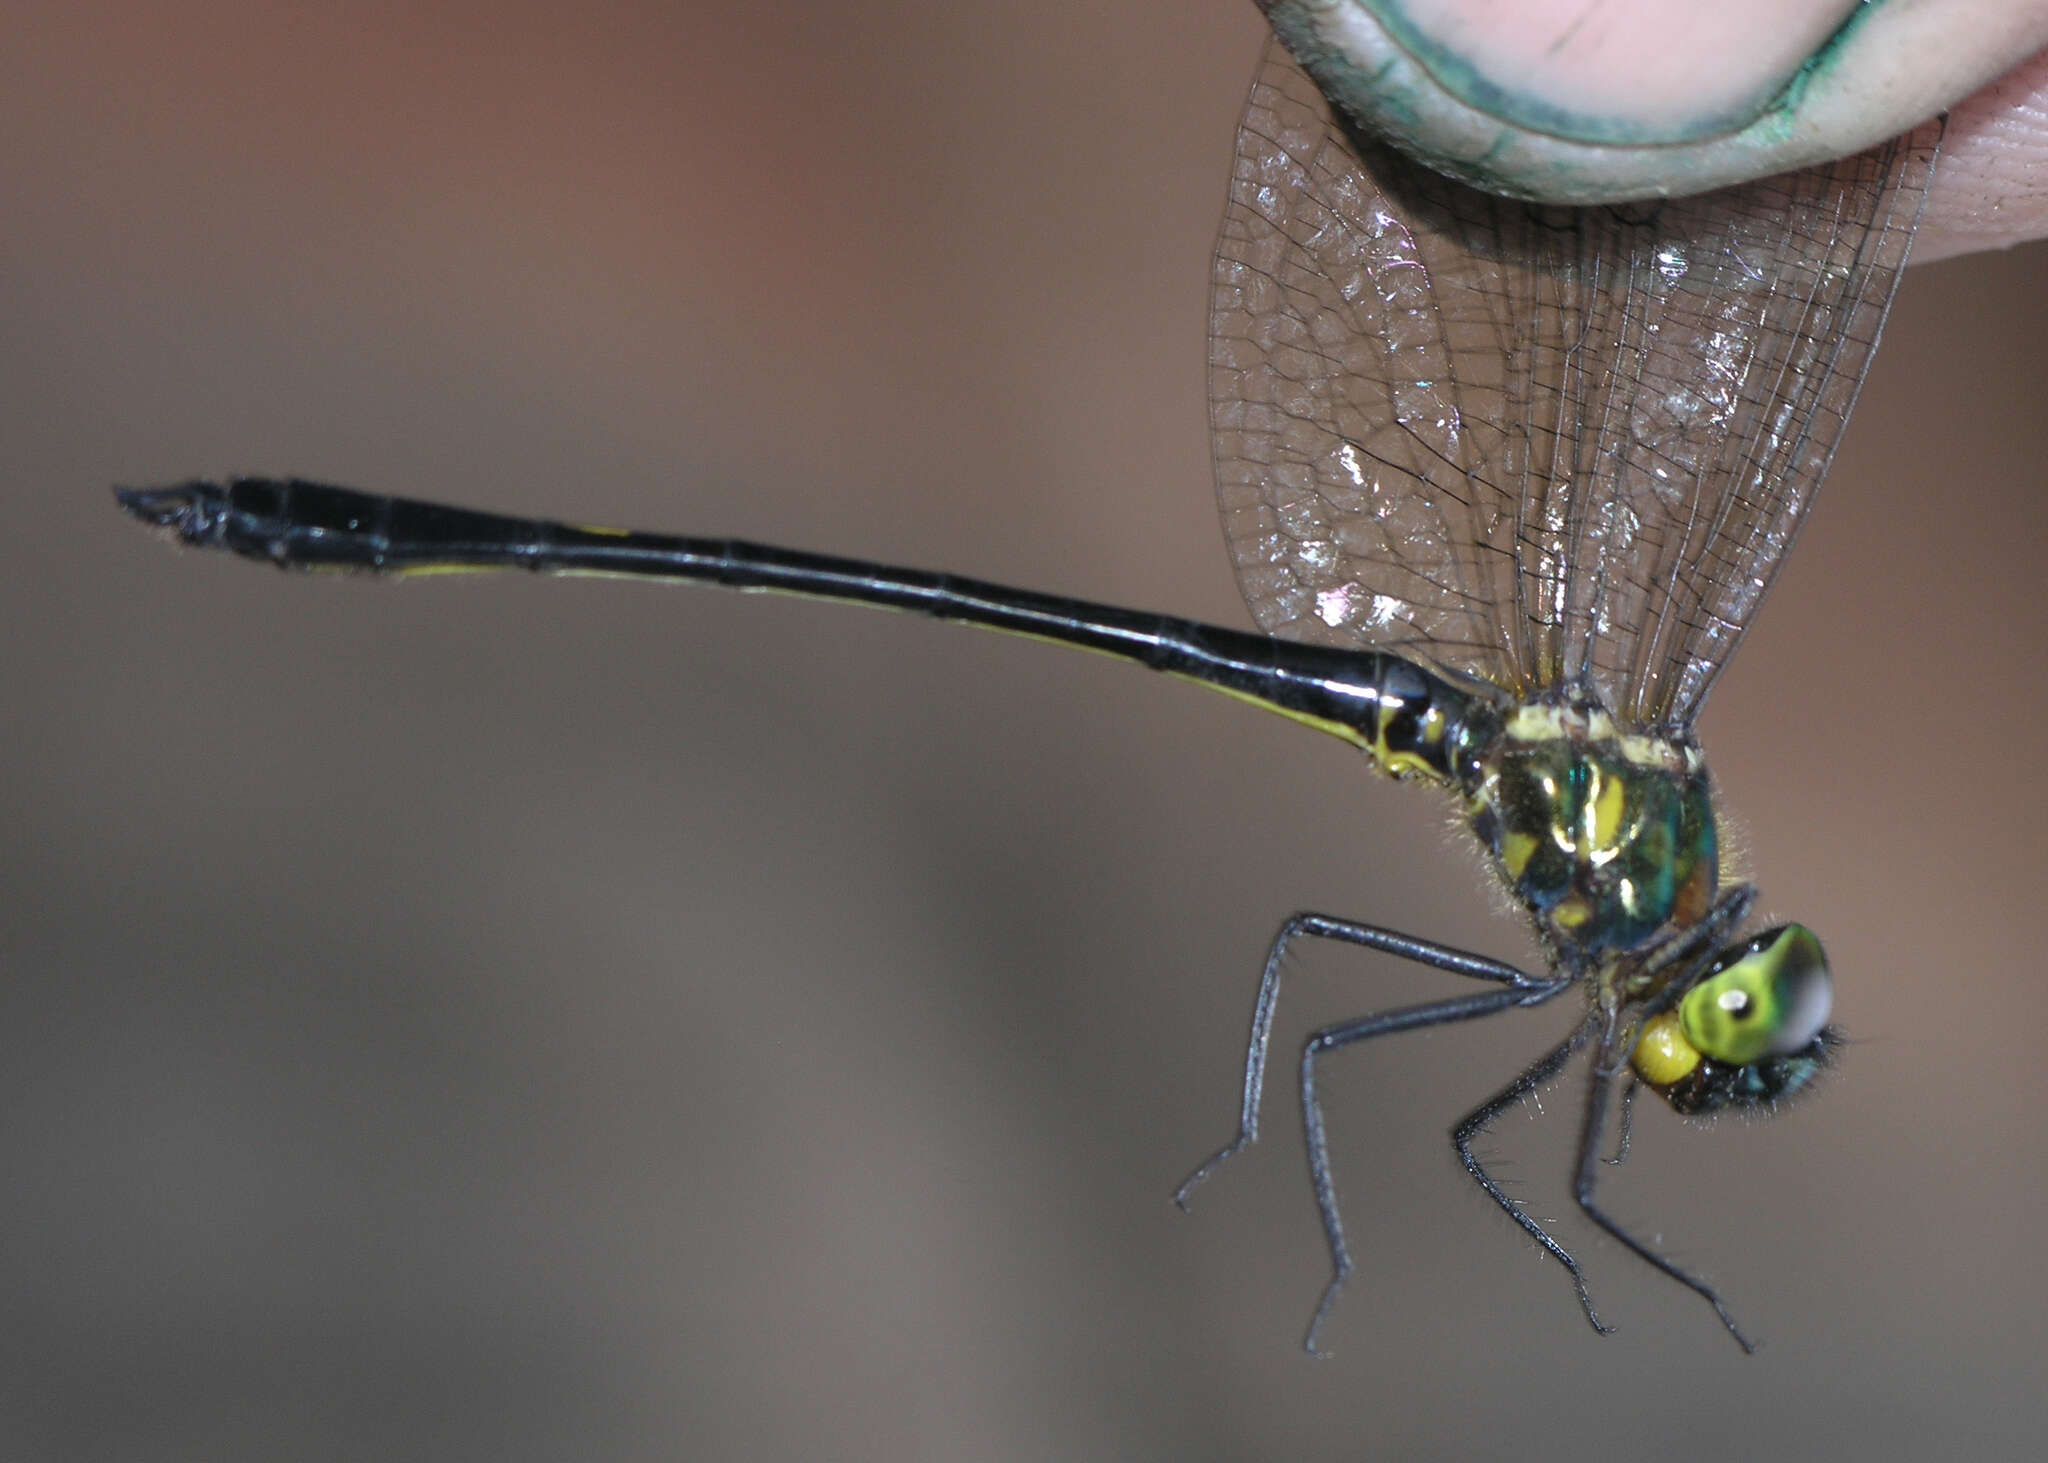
[[496, 1019]]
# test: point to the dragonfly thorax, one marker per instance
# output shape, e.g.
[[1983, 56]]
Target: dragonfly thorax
[[1606, 836]]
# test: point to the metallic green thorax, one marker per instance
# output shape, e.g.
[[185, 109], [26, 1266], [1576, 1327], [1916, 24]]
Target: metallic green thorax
[[1607, 838]]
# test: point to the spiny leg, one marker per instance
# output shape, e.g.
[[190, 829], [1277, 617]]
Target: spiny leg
[[1628, 1123], [1350, 932], [1599, 1087], [1329, 1039], [1481, 1118]]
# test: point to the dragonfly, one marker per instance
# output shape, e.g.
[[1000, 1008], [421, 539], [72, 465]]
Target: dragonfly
[[1504, 485]]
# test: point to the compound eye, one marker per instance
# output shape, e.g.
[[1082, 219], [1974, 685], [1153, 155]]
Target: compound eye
[[1769, 996]]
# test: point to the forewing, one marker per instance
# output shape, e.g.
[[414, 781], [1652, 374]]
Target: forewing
[[1358, 425], [1743, 329], [1550, 448]]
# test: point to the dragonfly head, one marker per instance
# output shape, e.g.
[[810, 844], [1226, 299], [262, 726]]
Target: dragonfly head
[[1750, 1031]]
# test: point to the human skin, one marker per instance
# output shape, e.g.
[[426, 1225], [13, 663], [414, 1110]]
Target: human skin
[[1991, 190], [1596, 100]]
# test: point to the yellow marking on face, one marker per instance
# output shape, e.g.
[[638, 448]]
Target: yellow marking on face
[[420, 571], [1516, 849], [1663, 1055], [600, 529]]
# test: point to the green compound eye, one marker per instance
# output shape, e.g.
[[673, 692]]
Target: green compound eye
[[1767, 997]]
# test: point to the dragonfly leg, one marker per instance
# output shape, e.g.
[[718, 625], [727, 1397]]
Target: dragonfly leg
[[1628, 1121], [1599, 1088], [1329, 1039], [1309, 925], [1481, 1118]]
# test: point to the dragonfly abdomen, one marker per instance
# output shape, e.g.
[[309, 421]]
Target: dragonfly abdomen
[[1409, 720]]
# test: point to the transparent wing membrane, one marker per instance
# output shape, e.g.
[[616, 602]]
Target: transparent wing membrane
[[1550, 448]]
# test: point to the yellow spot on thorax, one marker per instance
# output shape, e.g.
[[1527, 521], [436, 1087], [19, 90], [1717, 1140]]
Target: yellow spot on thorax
[[1604, 809]]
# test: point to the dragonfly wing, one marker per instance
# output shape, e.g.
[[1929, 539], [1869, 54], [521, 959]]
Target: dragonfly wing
[[1550, 448], [1356, 466], [1737, 329]]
